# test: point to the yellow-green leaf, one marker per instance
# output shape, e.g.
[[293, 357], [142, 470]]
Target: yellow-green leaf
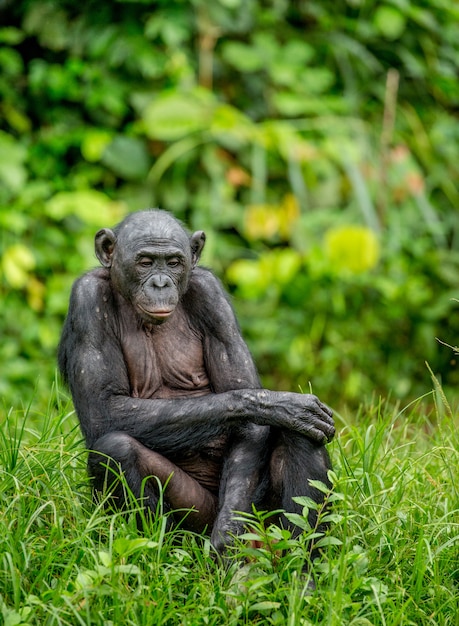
[[17, 262], [352, 248]]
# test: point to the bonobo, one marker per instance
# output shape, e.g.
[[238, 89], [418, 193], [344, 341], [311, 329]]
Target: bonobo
[[166, 390]]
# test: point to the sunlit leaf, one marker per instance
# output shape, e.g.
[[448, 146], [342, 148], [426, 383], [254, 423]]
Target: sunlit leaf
[[228, 121], [265, 221], [16, 118], [127, 157], [243, 57], [11, 36], [125, 547], [105, 558], [175, 115], [13, 174], [85, 579], [286, 264], [50, 24], [352, 248], [35, 293], [298, 520], [93, 207], [389, 21], [249, 276], [320, 486], [266, 605], [261, 221], [10, 62], [129, 569], [328, 541], [16, 263], [94, 144], [298, 52], [305, 501]]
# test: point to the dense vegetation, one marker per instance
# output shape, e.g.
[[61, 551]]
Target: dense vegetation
[[316, 142], [391, 557]]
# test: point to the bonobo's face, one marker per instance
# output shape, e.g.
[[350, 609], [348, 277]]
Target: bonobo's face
[[151, 269], [150, 258]]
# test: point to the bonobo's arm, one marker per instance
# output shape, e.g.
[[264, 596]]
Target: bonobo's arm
[[91, 359], [230, 366]]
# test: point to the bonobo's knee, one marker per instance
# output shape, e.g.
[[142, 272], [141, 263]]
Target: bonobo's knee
[[119, 446], [295, 461]]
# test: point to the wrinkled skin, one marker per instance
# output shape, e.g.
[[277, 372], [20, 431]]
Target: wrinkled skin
[[166, 389]]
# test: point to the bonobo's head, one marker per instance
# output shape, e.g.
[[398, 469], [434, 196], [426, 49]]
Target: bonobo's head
[[150, 257]]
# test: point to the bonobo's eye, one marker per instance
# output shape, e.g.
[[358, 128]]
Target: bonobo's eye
[[174, 262], [145, 262]]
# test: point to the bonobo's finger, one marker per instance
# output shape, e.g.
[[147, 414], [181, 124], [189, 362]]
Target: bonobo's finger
[[330, 432], [320, 415], [323, 410], [319, 430], [327, 433], [328, 428], [311, 428], [316, 435], [326, 419], [327, 410]]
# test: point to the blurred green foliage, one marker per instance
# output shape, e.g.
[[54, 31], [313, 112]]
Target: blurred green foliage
[[316, 141]]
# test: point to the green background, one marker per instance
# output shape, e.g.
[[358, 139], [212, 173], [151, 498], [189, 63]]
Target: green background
[[316, 143]]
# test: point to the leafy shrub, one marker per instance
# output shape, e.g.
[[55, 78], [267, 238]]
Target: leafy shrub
[[280, 128]]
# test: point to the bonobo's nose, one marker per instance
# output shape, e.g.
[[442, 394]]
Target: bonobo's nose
[[160, 281]]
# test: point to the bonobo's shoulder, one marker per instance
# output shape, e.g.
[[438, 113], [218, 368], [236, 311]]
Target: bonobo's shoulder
[[208, 304], [92, 286], [204, 284]]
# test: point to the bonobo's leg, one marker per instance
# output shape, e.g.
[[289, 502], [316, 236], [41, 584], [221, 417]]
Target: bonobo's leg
[[245, 479], [295, 460], [139, 463], [267, 468]]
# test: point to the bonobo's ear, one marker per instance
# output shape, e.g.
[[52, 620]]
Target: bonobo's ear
[[105, 244], [197, 241]]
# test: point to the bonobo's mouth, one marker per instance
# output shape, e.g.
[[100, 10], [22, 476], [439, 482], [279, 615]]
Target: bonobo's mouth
[[160, 315]]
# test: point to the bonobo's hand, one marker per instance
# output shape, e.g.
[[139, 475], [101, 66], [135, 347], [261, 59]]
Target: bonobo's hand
[[305, 414]]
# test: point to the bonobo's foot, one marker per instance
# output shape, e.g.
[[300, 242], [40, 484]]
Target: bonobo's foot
[[220, 541], [223, 533]]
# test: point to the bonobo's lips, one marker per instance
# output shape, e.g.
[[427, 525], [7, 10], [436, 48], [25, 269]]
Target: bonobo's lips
[[161, 314]]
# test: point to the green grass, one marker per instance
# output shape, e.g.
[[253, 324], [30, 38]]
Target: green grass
[[391, 556]]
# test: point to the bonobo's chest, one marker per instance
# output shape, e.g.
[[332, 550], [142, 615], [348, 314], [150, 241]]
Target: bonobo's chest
[[164, 361]]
